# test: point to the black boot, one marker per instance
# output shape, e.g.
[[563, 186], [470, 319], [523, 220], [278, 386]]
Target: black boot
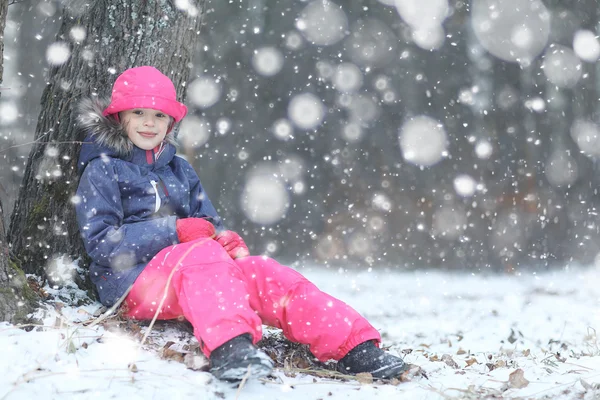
[[230, 361], [366, 357]]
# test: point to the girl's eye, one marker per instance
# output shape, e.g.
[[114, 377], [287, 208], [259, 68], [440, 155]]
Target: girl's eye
[[161, 115], [138, 112]]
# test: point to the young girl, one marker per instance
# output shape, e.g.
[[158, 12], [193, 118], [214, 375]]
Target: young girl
[[151, 231]]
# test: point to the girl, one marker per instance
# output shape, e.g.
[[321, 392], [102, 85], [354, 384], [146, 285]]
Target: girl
[[151, 231]]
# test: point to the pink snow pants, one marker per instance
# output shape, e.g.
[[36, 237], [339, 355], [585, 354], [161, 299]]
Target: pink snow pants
[[224, 298]]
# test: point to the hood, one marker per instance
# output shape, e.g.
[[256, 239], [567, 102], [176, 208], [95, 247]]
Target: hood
[[104, 136]]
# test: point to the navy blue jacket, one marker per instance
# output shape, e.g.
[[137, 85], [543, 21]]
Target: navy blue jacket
[[128, 201]]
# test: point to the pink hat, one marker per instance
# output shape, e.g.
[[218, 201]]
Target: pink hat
[[145, 87]]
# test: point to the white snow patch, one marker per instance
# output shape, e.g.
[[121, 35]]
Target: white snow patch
[[468, 333]]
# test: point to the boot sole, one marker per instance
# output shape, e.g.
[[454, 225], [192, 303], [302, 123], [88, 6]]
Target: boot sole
[[253, 371], [389, 372]]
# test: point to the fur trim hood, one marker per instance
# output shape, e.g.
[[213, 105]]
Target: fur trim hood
[[106, 131]]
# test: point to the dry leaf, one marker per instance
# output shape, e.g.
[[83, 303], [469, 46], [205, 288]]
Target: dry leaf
[[586, 385], [526, 352], [168, 354], [500, 364], [513, 337], [411, 372], [365, 378], [99, 311], [300, 362], [196, 362], [434, 358], [471, 361], [447, 358], [517, 379], [460, 351]]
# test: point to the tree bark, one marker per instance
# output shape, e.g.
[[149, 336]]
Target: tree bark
[[16, 298], [119, 34]]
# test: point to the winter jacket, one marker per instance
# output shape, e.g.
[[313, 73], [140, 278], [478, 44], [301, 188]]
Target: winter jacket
[[129, 200]]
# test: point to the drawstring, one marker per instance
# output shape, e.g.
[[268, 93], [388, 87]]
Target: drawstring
[[160, 148], [156, 195]]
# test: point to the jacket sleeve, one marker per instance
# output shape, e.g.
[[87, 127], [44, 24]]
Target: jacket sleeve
[[200, 204], [107, 239]]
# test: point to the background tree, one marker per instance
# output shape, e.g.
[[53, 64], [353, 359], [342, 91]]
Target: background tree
[[16, 299], [96, 41], [518, 109]]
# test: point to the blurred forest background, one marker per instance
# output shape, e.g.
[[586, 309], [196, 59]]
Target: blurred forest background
[[402, 133]]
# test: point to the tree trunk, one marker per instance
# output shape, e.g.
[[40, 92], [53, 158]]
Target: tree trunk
[[16, 298], [118, 34]]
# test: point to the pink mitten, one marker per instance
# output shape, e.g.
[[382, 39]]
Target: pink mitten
[[233, 244], [189, 229]]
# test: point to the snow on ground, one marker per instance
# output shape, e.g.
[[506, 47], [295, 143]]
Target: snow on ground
[[529, 336]]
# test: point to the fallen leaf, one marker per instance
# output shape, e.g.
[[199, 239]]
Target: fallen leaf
[[173, 355], [196, 362], [471, 361], [99, 311], [517, 380], [460, 351], [412, 372], [447, 358], [513, 337], [560, 358], [365, 378], [585, 385]]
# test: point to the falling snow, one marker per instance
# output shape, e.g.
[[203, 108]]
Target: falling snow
[[379, 136]]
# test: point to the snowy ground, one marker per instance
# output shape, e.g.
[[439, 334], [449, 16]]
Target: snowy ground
[[530, 336]]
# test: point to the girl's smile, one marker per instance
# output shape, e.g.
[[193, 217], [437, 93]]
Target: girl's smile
[[145, 127]]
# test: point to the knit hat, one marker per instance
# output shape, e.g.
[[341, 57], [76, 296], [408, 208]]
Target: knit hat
[[145, 87]]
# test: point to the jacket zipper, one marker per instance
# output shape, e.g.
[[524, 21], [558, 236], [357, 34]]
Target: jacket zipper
[[157, 201]]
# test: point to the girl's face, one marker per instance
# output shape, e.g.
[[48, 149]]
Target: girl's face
[[145, 127]]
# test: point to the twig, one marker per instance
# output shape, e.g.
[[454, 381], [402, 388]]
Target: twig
[[162, 301], [108, 312], [37, 141], [243, 382], [323, 373]]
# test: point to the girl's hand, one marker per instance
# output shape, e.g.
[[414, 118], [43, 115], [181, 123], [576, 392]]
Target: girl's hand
[[189, 229], [233, 244]]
